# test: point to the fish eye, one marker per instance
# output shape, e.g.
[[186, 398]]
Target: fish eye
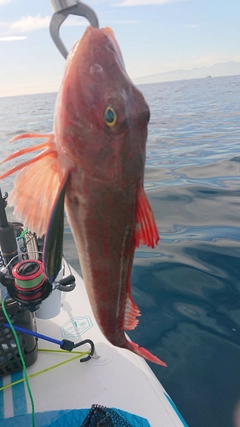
[[110, 117]]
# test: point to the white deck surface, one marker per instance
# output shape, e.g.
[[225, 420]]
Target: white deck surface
[[116, 378]]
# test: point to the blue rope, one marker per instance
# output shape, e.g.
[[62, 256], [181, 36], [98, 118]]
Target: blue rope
[[34, 334]]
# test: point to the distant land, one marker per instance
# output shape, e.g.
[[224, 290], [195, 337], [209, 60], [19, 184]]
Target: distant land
[[230, 68]]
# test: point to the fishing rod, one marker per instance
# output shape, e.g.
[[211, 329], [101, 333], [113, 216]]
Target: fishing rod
[[8, 241]]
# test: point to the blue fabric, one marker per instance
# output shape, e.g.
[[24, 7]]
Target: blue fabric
[[41, 419], [1, 399], [19, 390], [176, 410], [71, 418]]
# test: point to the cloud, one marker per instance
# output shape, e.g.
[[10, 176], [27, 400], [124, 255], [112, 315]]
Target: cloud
[[29, 23], [32, 23], [198, 60], [5, 1], [191, 26], [124, 3], [125, 21], [12, 38], [74, 21], [208, 59]]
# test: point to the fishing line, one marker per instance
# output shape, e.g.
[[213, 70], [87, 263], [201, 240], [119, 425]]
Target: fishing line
[[77, 354], [22, 360], [1, 260], [23, 233], [16, 256]]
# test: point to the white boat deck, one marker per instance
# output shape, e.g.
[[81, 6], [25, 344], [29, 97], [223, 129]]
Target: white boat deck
[[114, 377]]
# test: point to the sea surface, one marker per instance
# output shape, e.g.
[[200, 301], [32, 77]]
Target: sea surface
[[188, 289]]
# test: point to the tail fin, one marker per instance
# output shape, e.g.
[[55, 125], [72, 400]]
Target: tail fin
[[140, 351]]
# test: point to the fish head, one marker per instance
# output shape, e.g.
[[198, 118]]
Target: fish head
[[101, 117]]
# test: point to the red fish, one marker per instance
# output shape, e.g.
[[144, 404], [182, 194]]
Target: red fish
[[92, 164]]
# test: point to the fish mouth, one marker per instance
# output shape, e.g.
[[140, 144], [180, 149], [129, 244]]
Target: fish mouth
[[94, 37]]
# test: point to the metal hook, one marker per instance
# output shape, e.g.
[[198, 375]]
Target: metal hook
[[63, 8], [87, 341]]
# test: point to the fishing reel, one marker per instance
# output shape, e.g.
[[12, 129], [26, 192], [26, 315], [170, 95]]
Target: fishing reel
[[27, 284], [22, 270]]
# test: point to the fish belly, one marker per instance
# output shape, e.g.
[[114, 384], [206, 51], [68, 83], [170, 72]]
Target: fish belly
[[103, 226]]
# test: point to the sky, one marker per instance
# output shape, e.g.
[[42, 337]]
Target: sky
[[154, 36]]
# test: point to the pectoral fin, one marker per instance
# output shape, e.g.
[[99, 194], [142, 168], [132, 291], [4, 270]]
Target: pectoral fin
[[146, 229], [38, 196], [37, 184]]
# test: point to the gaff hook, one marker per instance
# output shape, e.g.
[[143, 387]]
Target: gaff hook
[[62, 9]]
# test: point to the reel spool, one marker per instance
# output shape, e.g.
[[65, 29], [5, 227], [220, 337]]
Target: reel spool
[[30, 285]]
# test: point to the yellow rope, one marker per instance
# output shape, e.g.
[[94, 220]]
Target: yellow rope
[[78, 353]]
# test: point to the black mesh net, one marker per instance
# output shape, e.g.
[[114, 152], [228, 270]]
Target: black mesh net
[[99, 416]]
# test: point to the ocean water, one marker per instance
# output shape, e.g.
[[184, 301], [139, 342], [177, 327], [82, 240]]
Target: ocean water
[[188, 289]]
